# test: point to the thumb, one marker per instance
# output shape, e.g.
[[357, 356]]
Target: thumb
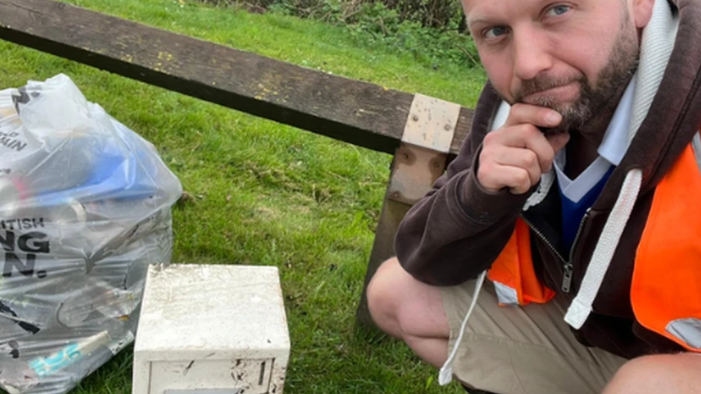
[[558, 140]]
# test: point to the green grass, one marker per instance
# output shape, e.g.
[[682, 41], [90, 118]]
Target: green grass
[[268, 194]]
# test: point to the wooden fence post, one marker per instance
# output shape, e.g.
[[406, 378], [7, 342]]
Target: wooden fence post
[[383, 246], [418, 162]]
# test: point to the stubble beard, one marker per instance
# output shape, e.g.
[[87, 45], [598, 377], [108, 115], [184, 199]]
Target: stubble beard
[[593, 101]]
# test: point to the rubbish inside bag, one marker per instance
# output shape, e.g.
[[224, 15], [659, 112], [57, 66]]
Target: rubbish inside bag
[[84, 209]]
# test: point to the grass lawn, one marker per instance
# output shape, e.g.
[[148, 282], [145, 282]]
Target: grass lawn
[[268, 194]]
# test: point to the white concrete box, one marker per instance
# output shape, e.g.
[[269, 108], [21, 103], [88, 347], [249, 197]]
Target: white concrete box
[[211, 329]]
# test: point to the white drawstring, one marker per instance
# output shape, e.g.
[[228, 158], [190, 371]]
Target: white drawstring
[[580, 308], [446, 374], [655, 51]]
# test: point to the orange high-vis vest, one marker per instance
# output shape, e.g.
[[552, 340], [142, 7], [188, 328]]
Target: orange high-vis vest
[[666, 288], [513, 275]]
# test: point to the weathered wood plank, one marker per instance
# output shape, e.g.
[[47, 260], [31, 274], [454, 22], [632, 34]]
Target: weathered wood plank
[[361, 113]]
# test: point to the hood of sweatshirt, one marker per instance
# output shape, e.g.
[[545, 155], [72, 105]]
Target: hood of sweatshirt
[[674, 116]]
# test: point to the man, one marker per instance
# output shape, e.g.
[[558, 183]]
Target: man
[[581, 166]]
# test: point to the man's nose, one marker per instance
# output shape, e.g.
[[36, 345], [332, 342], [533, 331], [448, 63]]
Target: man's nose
[[531, 53]]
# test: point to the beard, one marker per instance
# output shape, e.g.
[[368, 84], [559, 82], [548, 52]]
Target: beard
[[593, 101]]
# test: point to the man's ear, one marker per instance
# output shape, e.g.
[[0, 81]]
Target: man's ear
[[642, 12]]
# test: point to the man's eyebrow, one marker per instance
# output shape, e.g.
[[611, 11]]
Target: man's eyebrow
[[478, 20]]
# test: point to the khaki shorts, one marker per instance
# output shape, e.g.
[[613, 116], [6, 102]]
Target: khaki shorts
[[529, 350]]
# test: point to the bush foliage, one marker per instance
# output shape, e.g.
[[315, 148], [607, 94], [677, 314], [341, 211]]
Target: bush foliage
[[432, 30]]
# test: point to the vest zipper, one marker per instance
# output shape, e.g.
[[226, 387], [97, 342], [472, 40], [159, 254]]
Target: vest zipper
[[545, 240], [567, 277], [569, 265]]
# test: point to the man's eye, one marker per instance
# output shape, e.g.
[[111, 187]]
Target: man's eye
[[558, 10], [495, 32]]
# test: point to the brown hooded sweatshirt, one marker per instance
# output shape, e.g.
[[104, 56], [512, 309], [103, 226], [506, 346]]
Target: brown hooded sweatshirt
[[458, 229]]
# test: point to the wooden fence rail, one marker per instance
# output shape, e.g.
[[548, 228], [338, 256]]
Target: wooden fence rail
[[357, 112]]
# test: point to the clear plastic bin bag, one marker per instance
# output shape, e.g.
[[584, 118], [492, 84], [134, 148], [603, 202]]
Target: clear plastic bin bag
[[84, 209]]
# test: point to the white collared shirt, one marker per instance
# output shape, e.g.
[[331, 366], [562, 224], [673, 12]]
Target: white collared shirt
[[611, 150]]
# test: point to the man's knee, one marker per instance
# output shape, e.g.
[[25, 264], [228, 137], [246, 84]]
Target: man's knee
[[404, 307], [658, 373], [382, 299]]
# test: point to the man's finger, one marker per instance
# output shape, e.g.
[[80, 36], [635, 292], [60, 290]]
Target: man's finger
[[532, 114], [525, 136], [558, 140], [516, 179], [522, 158]]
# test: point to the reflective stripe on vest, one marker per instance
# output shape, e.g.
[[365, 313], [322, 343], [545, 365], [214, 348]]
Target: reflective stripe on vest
[[666, 288]]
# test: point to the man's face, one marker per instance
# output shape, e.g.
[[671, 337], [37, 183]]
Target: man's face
[[573, 56]]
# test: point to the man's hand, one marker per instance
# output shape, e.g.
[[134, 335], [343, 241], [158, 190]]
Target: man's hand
[[515, 155]]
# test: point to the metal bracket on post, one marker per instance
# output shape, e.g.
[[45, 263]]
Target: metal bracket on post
[[420, 159], [431, 123]]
